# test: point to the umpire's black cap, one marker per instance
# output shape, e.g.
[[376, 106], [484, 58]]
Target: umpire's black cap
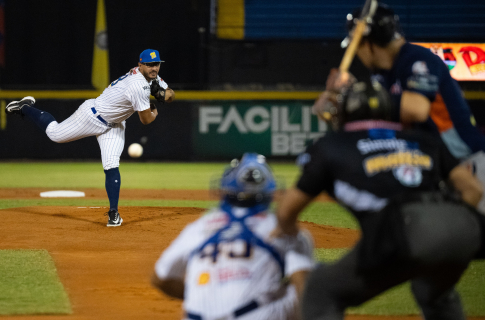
[[381, 29]]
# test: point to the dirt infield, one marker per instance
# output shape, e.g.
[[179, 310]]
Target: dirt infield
[[106, 271]]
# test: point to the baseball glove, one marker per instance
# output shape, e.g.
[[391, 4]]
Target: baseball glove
[[337, 84], [157, 91]]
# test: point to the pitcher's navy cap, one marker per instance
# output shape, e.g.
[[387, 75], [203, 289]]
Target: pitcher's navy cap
[[150, 55]]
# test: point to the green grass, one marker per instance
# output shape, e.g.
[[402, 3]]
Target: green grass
[[399, 300], [196, 176], [17, 203], [330, 214], [149, 175], [30, 284]]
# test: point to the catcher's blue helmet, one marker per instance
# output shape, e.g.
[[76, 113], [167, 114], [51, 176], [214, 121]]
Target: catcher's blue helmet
[[248, 182]]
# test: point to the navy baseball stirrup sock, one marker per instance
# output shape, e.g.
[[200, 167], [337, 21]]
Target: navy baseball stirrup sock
[[112, 184], [41, 118]]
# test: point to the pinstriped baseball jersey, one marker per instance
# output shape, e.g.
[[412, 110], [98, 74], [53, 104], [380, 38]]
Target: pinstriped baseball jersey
[[216, 286], [104, 117], [124, 96]]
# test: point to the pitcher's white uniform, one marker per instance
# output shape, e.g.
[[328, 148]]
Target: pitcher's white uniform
[[104, 117], [220, 279]]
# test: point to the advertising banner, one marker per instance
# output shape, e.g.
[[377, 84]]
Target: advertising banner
[[466, 61], [228, 129]]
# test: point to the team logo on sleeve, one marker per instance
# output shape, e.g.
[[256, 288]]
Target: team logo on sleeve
[[421, 79], [419, 67], [153, 55]]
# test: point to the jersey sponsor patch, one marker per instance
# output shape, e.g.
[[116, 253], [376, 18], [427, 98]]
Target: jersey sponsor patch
[[227, 274], [358, 200], [423, 82], [204, 278], [369, 145], [408, 176], [390, 161]]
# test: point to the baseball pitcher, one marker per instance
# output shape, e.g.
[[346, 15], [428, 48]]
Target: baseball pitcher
[[225, 265], [105, 117]]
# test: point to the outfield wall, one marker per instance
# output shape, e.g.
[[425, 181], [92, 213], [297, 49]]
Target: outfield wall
[[214, 129]]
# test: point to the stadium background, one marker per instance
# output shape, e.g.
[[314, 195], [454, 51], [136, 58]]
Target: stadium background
[[218, 53]]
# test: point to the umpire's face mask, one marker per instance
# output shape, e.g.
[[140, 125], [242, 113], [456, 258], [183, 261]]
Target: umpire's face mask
[[366, 101]]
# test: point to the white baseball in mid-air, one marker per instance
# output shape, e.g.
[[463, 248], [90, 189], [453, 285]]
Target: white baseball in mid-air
[[135, 150]]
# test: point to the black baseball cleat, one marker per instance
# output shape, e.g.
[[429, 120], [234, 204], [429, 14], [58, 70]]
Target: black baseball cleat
[[114, 218], [16, 106]]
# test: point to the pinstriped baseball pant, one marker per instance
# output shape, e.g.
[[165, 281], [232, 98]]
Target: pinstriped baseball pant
[[83, 123]]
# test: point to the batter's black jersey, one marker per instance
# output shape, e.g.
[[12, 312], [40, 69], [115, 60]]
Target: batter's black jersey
[[417, 69], [370, 162]]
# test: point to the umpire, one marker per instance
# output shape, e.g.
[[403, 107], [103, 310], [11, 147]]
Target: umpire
[[392, 181]]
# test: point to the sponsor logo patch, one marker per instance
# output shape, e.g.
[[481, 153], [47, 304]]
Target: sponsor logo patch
[[231, 274], [393, 160], [204, 278], [408, 176]]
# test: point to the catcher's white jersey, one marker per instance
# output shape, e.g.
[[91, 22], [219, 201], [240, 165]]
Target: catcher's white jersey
[[104, 117], [221, 278]]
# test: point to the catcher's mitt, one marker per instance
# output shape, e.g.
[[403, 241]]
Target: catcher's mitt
[[157, 91], [337, 85]]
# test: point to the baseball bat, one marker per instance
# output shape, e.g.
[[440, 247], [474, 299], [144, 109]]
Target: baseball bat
[[368, 11]]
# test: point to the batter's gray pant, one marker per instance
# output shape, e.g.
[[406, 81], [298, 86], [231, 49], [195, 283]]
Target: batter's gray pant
[[442, 239]]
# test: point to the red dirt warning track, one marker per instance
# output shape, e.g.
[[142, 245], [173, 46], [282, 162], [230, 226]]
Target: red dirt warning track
[[106, 271]]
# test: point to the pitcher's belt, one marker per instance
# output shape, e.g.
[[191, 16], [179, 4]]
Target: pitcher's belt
[[93, 109]]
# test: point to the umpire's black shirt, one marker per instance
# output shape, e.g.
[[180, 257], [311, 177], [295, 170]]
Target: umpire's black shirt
[[369, 162]]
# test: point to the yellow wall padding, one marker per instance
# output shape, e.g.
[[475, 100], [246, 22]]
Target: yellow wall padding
[[230, 19]]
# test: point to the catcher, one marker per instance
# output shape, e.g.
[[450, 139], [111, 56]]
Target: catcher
[[393, 182], [226, 266]]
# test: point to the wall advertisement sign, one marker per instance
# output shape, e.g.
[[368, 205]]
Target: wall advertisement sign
[[228, 129], [466, 61]]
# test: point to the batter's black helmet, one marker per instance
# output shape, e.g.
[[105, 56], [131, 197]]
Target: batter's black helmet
[[362, 101], [381, 29]]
